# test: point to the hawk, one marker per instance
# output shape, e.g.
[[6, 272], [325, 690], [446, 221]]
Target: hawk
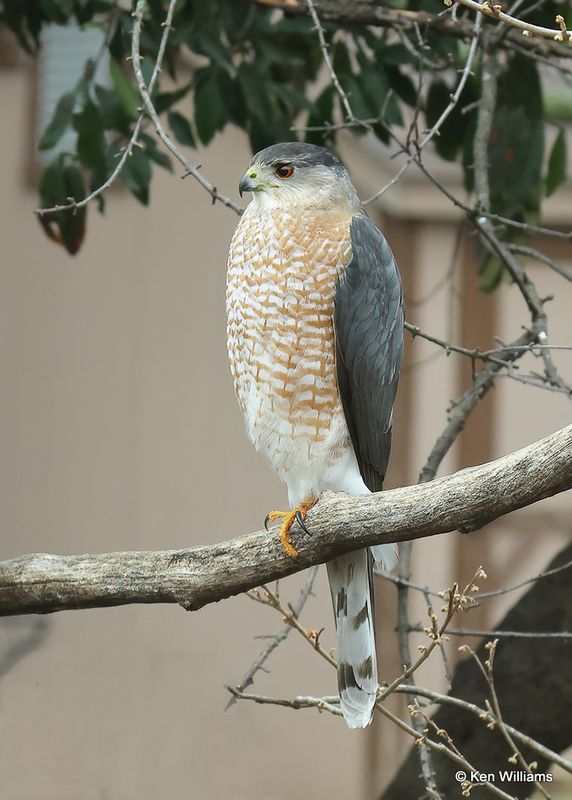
[[315, 340]]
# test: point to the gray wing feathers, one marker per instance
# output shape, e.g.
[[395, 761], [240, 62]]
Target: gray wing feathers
[[368, 324], [352, 597]]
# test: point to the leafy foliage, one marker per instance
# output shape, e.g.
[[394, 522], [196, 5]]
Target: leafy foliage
[[61, 180], [259, 71], [556, 174]]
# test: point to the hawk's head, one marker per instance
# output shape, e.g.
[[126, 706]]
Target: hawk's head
[[298, 174]]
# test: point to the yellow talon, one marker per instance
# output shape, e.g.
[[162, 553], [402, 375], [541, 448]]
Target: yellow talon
[[288, 518]]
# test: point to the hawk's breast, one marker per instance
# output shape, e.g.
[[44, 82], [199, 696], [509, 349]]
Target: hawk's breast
[[282, 272]]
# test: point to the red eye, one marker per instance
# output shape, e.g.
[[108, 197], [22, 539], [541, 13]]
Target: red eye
[[283, 171]]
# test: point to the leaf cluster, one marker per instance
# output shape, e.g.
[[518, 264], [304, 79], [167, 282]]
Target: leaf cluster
[[262, 71]]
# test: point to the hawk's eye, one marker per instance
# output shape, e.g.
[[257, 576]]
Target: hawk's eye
[[283, 171]]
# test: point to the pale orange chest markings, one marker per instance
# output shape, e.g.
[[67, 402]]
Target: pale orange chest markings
[[291, 265]]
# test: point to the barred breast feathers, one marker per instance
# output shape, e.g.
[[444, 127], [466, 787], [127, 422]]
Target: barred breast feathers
[[282, 273]]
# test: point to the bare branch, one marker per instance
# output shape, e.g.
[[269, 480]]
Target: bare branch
[[276, 640], [133, 141], [473, 353], [418, 628], [546, 574], [495, 710], [154, 117], [364, 12], [484, 124], [320, 703], [446, 699], [330, 67], [494, 11], [445, 749], [538, 256], [434, 131], [466, 501]]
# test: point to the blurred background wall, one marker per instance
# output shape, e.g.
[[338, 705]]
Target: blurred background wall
[[119, 430]]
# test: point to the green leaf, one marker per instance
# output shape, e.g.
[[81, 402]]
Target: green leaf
[[59, 123], [165, 100], [452, 132], [147, 66], [207, 44], [556, 174], [341, 60], [293, 98], [181, 128], [255, 91], [210, 110], [381, 98], [321, 115], [519, 86], [113, 114], [124, 89], [395, 55], [276, 53], [119, 45], [516, 154], [27, 27], [491, 273], [57, 10], [137, 174], [360, 105], [375, 85], [402, 85], [154, 153], [516, 144], [91, 140], [61, 180]]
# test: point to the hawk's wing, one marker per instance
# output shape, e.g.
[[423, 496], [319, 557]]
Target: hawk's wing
[[368, 324]]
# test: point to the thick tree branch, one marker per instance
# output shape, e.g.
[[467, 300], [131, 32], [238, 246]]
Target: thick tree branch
[[363, 12], [465, 501]]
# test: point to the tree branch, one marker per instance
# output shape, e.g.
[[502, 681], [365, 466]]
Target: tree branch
[[527, 679], [363, 12], [134, 139], [145, 93], [465, 501]]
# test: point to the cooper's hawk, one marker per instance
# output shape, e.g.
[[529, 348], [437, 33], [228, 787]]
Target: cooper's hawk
[[315, 339]]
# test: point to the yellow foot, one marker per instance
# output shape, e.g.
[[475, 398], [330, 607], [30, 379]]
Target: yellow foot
[[288, 518]]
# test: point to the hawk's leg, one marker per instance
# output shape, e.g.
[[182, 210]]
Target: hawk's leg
[[288, 518]]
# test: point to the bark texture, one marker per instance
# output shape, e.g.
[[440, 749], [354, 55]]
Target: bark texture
[[464, 501]]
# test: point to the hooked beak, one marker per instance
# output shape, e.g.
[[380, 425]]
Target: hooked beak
[[248, 182]]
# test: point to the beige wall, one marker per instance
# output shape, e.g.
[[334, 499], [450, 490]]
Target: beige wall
[[119, 430]]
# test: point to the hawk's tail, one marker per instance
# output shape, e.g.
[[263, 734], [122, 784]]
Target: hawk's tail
[[351, 586]]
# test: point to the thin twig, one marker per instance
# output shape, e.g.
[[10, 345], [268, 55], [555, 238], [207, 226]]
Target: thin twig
[[364, 12], [541, 575], [538, 256], [499, 634], [474, 353], [133, 141], [330, 67], [154, 117], [427, 770], [440, 747], [494, 711], [278, 638], [446, 699], [439, 123], [494, 11]]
